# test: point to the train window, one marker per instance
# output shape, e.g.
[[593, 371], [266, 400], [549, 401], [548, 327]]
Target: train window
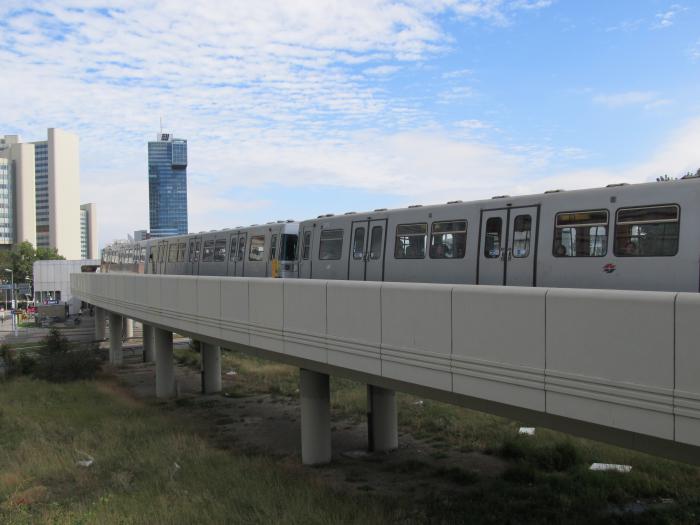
[[232, 253], [651, 231], [358, 244], [143, 254], [331, 245], [241, 248], [220, 250], [172, 253], [410, 241], [273, 246], [288, 247], [375, 243], [181, 251], [581, 234], [257, 248], [197, 245], [191, 256], [208, 251], [307, 245], [492, 238], [448, 240], [522, 228]]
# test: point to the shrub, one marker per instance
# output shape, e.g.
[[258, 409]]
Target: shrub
[[60, 363]]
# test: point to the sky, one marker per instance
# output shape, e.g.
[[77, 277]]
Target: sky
[[296, 108]]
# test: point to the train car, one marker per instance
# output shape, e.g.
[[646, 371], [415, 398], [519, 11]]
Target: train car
[[633, 237], [630, 237], [255, 251]]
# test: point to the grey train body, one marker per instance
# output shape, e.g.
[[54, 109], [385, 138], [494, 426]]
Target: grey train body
[[628, 237]]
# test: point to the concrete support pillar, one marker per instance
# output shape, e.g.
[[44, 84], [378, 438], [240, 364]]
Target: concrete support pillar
[[382, 419], [148, 349], [99, 324], [165, 367], [314, 390], [211, 368], [115, 339], [128, 328]]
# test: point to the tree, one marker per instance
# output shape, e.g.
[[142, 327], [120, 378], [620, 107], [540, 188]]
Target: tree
[[21, 259]]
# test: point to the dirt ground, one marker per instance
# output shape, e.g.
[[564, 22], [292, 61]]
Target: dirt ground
[[270, 425]]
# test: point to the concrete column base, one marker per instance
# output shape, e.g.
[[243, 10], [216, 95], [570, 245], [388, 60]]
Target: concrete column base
[[382, 419], [211, 368], [165, 366], [148, 345], [315, 396], [128, 328], [99, 324], [116, 356]]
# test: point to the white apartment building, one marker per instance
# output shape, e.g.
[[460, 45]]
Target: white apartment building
[[43, 187]]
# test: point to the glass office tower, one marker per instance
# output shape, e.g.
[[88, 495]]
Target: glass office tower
[[167, 185]]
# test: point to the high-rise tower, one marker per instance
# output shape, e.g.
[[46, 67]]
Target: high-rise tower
[[167, 185]]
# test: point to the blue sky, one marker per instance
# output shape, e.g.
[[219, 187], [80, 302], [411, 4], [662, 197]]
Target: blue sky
[[297, 108]]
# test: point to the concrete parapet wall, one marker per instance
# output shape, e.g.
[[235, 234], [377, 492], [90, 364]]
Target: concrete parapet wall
[[619, 360]]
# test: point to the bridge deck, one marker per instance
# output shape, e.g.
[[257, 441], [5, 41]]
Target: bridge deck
[[618, 366]]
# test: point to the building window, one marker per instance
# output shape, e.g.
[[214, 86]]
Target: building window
[[581, 234], [410, 241], [331, 245], [257, 248], [448, 240], [651, 231]]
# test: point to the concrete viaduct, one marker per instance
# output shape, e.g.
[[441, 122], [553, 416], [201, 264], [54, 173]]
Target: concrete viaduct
[[616, 366]]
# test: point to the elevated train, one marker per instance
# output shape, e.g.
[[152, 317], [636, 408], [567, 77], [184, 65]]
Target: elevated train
[[634, 237]]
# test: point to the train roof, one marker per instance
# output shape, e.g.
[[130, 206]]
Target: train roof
[[549, 194]]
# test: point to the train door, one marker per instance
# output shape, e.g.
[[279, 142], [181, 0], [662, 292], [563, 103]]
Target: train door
[[162, 256], [507, 246], [367, 251], [195, 254], [232, 252], [240, 254], [306, 238], [522, 245]]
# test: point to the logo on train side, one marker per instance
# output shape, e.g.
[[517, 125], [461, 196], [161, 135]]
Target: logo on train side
[[609, 268]]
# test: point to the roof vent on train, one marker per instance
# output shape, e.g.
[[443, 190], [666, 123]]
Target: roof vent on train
[[329, 215], [454, 202], [290, 220], [617, 185], [271, 222], [280, 222], [501, 197], [350, 213], [381, 209], [416, 206], [553, 191]]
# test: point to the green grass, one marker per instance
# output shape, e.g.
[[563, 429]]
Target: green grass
[[46, 428], [547, 477]]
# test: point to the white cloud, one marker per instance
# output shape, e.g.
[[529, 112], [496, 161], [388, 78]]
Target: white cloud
[[648, 99], [694, 51], [666, 19], [457, 73]]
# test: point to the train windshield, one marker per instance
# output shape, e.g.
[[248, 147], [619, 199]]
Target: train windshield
[[288, 247]]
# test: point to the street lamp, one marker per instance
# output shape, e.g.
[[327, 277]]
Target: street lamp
[[12, 285]]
